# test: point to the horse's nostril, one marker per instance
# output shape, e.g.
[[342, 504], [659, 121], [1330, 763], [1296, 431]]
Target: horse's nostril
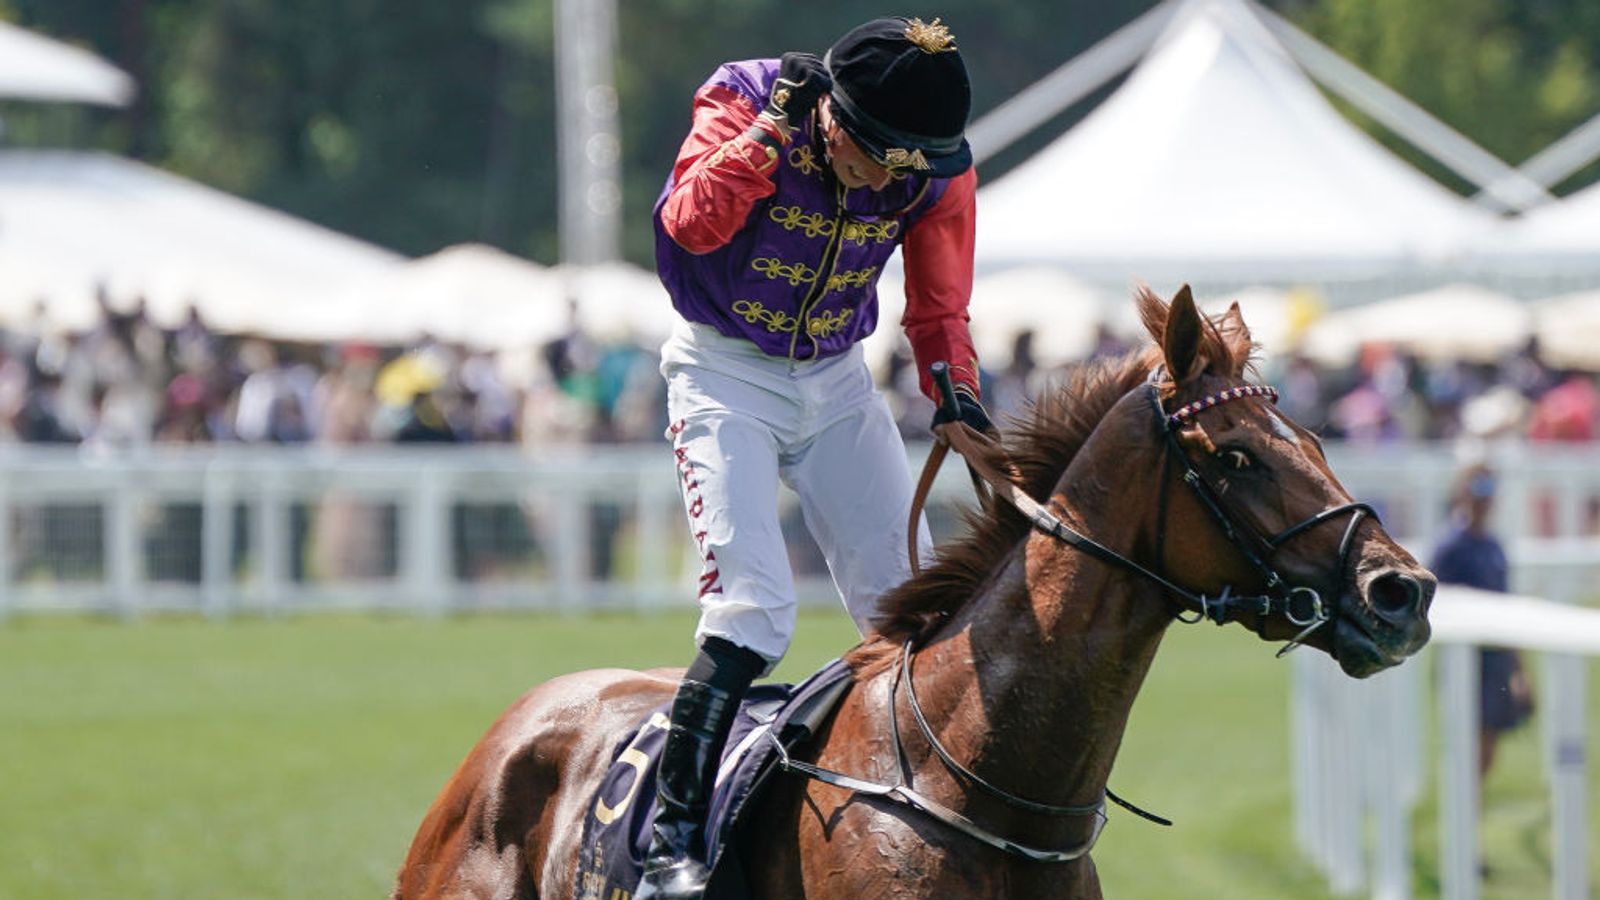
[[1395, 594]]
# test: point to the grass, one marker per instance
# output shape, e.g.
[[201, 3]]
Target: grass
[[293, 759]]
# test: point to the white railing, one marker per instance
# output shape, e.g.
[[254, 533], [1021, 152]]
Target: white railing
[[1358, 748], [225, 530], [228, 529], [221, 530]]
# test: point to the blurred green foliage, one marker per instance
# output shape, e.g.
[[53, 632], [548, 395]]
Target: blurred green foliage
[[418, 124]]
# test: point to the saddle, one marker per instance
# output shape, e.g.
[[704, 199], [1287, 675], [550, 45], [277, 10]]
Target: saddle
[[774, 720]]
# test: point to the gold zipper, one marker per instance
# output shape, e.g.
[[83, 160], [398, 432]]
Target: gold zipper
[[830, 261]]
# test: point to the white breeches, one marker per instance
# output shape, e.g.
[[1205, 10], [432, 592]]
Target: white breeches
[[741, 421]]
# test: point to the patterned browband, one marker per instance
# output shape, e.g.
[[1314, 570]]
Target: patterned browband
[[1189, 410]]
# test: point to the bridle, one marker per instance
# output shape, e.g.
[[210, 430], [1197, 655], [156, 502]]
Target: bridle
[[1302, 606]]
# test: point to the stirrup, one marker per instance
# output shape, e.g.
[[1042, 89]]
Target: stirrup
[[683, 879]]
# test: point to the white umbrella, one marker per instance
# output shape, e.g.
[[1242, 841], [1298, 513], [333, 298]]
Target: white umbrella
[[1568, 328], [1063, 313], [469, 293], [1457, 321], [34, 67], [620, 302]]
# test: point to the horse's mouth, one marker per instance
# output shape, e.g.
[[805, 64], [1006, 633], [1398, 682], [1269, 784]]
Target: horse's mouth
[[1365, 646]]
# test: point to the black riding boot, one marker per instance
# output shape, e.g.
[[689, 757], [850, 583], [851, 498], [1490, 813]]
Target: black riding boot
[[702, 714]]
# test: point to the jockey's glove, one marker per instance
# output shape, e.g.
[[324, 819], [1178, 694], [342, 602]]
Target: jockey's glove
[[972, 413], [802, 80]]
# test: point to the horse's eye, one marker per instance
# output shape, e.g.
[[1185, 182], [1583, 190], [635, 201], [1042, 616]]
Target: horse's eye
[[1234, 458]]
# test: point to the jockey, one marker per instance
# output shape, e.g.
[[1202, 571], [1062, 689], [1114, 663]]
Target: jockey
[[799, 178]]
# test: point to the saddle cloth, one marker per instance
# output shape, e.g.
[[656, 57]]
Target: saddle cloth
[[616, 829]]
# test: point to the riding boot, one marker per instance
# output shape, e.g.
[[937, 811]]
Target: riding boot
[[702, 714]]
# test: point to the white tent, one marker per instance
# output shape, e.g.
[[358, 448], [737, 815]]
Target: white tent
[[1559, 237], [1457, 321], [34, 67], [1219, 159], [71, 223]]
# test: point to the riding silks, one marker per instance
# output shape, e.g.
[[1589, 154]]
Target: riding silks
[[616, 829]]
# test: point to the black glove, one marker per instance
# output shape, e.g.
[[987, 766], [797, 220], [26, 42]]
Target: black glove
[[802, 80], [972, 412]]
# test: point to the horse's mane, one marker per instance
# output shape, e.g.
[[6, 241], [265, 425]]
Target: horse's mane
[[1038, 446]]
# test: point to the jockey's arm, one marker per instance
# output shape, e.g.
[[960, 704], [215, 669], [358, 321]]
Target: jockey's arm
[[938, 265], [724, 167]]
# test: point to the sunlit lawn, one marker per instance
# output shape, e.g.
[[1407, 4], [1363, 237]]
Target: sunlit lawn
[[293, 759]]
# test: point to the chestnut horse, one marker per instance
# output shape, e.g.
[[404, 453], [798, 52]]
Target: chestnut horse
[[970, 756]]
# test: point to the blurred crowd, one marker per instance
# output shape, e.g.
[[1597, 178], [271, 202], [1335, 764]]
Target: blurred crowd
[[1383, 395], [127, 383]]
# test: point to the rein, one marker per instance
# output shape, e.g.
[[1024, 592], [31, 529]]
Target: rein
[[902, 792]]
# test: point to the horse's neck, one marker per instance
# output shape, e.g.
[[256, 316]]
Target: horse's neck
[[1039, 675]]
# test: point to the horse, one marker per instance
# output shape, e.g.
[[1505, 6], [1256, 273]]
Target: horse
[[1153, 488]]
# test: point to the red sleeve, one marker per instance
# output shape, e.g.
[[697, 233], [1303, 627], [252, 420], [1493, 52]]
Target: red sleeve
[[938, 261], [724, 167]]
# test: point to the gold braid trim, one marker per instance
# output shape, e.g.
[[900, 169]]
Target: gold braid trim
[[796, 274], [822, 325], [803, 159], [877, 232], [826, 324], [813, 224], [858, 278]]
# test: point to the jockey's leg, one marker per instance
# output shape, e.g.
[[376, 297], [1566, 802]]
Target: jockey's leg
[[702, 714], [855, 489], [728, 472]]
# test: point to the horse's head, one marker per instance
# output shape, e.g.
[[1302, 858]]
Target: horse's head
[[1253, 506]]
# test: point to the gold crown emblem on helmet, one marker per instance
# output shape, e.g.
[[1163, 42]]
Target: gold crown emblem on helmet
[[901, 158], [930, 37]]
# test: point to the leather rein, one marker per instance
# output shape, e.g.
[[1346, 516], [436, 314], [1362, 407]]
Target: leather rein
[[1278, 598]]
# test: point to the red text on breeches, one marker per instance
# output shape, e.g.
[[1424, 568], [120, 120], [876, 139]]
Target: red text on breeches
[[710, 577]]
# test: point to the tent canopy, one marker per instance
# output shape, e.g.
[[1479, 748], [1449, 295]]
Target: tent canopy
[[1219, 159], [74, 223], [34, 67], [1563, 236]]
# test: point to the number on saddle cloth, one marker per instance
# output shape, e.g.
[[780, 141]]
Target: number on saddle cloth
[[616, 830]]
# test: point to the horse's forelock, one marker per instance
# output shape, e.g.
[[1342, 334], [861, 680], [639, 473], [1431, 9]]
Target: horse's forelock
[[1226, 347]]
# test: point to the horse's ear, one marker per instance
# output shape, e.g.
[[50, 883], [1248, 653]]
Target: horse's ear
[[1232, 325], [1235, 335], [1181, 342]]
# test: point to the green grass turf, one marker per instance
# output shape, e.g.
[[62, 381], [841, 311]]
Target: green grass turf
[[293, 759]]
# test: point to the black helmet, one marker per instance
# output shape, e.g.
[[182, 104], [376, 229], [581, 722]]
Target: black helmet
[[900, 90]]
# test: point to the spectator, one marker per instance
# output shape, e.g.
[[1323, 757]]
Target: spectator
[[1470, 555], [425, 422], [1567, 412]]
